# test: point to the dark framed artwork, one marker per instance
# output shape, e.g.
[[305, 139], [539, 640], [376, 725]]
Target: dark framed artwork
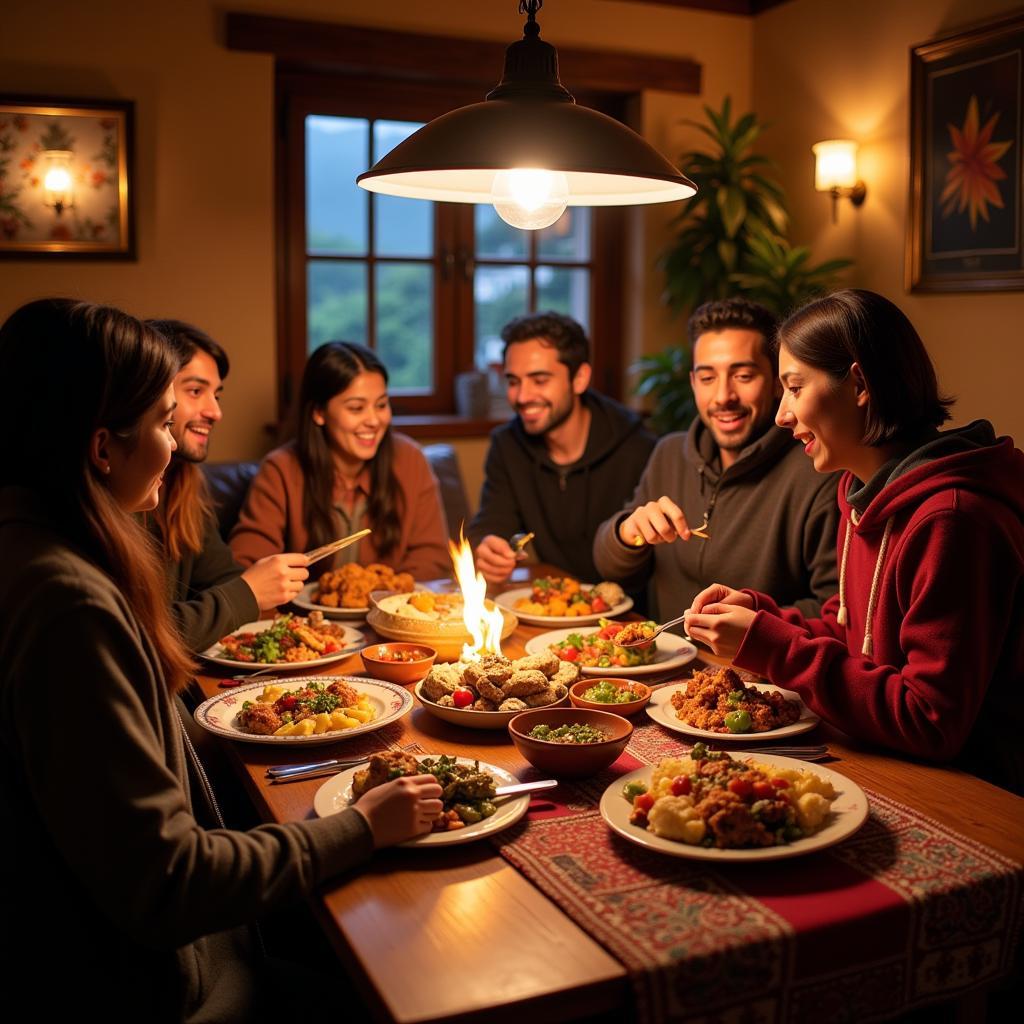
[[66, 185], [965, 213]]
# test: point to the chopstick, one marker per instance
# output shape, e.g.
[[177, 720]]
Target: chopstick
[[336, 545]]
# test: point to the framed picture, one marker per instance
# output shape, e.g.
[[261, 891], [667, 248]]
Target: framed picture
[[66, 178], [966, 213]]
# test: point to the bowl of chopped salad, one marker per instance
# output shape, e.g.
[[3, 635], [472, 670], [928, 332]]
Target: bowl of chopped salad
[[570, 743], [620, 696]]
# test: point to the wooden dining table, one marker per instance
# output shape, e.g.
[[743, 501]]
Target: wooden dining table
[[457, 933]]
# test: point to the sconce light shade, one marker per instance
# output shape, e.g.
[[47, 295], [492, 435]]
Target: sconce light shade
[[565, 154], [835, 164], [57, 181]]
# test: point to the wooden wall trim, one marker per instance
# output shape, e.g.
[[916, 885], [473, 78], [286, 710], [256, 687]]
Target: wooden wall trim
[[359, 50]]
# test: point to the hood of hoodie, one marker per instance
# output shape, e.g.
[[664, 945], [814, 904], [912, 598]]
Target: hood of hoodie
[[701, 449], [970, 458], [610, 423]]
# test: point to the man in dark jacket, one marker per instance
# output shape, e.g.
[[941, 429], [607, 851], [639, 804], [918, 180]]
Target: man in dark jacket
[[567, 460], [210, 594], [769, 516]]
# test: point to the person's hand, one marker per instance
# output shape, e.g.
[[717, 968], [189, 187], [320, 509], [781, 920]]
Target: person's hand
[[495, 558], [276, 579], [722, 625], [401, 809], [718, 593], [657, 522]]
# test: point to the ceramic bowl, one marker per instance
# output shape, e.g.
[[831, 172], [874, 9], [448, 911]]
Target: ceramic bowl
[[579, 688], [569, 760], [469, 718], [398, 671]]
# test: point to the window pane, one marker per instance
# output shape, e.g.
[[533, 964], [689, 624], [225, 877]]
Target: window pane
[[568, 238], [337, 302], [565, 290], [405, 324], [336, 208], [500, 293], [402, 227], [497, 240]]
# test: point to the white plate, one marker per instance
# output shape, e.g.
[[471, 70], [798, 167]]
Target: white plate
[[672, 652], [661, 710], [218, 714], [336, 794], [305, 600], [849, 812], [509, 597], [352, 638], [470, 718]]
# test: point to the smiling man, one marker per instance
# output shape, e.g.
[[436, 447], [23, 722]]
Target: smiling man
[[768, 518], [209, 592], [567, 460]]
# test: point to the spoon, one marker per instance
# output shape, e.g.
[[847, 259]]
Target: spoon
[[641, 641], [518, 541]]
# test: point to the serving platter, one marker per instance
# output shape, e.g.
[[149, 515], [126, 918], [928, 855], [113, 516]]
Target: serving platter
[[468, 718], [849, 812], [672, 652], [218, 714], [306, 602], [352, 641], [336, 794], [661, 711], [509, 598]]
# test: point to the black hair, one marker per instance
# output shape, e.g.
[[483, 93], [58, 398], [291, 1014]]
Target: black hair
[[563, 333]]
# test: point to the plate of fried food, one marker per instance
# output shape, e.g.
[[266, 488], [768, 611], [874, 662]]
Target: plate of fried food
[[288, 641], [489, 693], [717, 704], [597, 654], [471, 809], [344, 593], [310, 710], [564, 601], [712, 805]]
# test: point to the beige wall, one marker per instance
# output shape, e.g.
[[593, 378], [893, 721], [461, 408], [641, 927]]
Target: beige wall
[[825, 69], [204, 163]]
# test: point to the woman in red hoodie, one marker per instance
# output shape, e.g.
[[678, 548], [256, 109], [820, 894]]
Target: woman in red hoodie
[[922, 649]]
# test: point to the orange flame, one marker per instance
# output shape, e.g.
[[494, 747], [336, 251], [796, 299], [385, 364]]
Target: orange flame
[[484, 624]]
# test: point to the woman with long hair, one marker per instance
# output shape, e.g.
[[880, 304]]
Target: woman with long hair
[[346, 470], [922, 649], [113, 877]]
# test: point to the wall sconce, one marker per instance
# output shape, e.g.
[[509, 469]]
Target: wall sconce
[[835, 172], [57, 181]]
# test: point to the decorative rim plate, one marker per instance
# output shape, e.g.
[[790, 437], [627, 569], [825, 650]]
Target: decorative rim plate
[[218, 713], [509, 598], [353, 639], [471, 719], [673, 651], [336, 794], [660, 709], [305, 601], [849, 812]]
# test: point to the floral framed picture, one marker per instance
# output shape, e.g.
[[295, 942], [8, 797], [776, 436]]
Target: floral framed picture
[[966, 212], [66, 178]]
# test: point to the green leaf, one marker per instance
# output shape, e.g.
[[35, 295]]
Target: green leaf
[[732, 205]]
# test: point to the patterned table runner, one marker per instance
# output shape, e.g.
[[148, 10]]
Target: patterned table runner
[[903, 913]]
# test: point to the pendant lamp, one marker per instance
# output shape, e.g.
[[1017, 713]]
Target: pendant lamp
[[528, 148]]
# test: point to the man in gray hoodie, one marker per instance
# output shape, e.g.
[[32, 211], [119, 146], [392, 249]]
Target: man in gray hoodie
[[770, 520]]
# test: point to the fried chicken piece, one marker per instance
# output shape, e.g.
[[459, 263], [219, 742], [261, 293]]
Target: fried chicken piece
[[513, 704], [482, 704], [525, 682], [497, 668], [546, 696], [348, 695], [567, 674], [546, 662], [383, 768], [632, 632], [260, 719], [440, 680]]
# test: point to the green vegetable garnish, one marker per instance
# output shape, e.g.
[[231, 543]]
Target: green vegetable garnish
[[633, 789], [738, 721]]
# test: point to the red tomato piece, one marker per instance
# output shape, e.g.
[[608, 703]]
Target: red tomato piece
[[462, 697], [763, 790], [599, 604], [780, 783], [644, 802], [681, 785], [741, 787], [569, 654]]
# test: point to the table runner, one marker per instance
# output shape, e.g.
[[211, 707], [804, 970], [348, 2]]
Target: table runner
[[901, 914]]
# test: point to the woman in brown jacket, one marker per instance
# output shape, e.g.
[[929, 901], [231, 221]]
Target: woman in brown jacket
[[117, 883], [346, 470]]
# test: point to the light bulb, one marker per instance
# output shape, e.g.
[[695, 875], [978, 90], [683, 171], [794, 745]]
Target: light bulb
[[57, 179], [529, 197]]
